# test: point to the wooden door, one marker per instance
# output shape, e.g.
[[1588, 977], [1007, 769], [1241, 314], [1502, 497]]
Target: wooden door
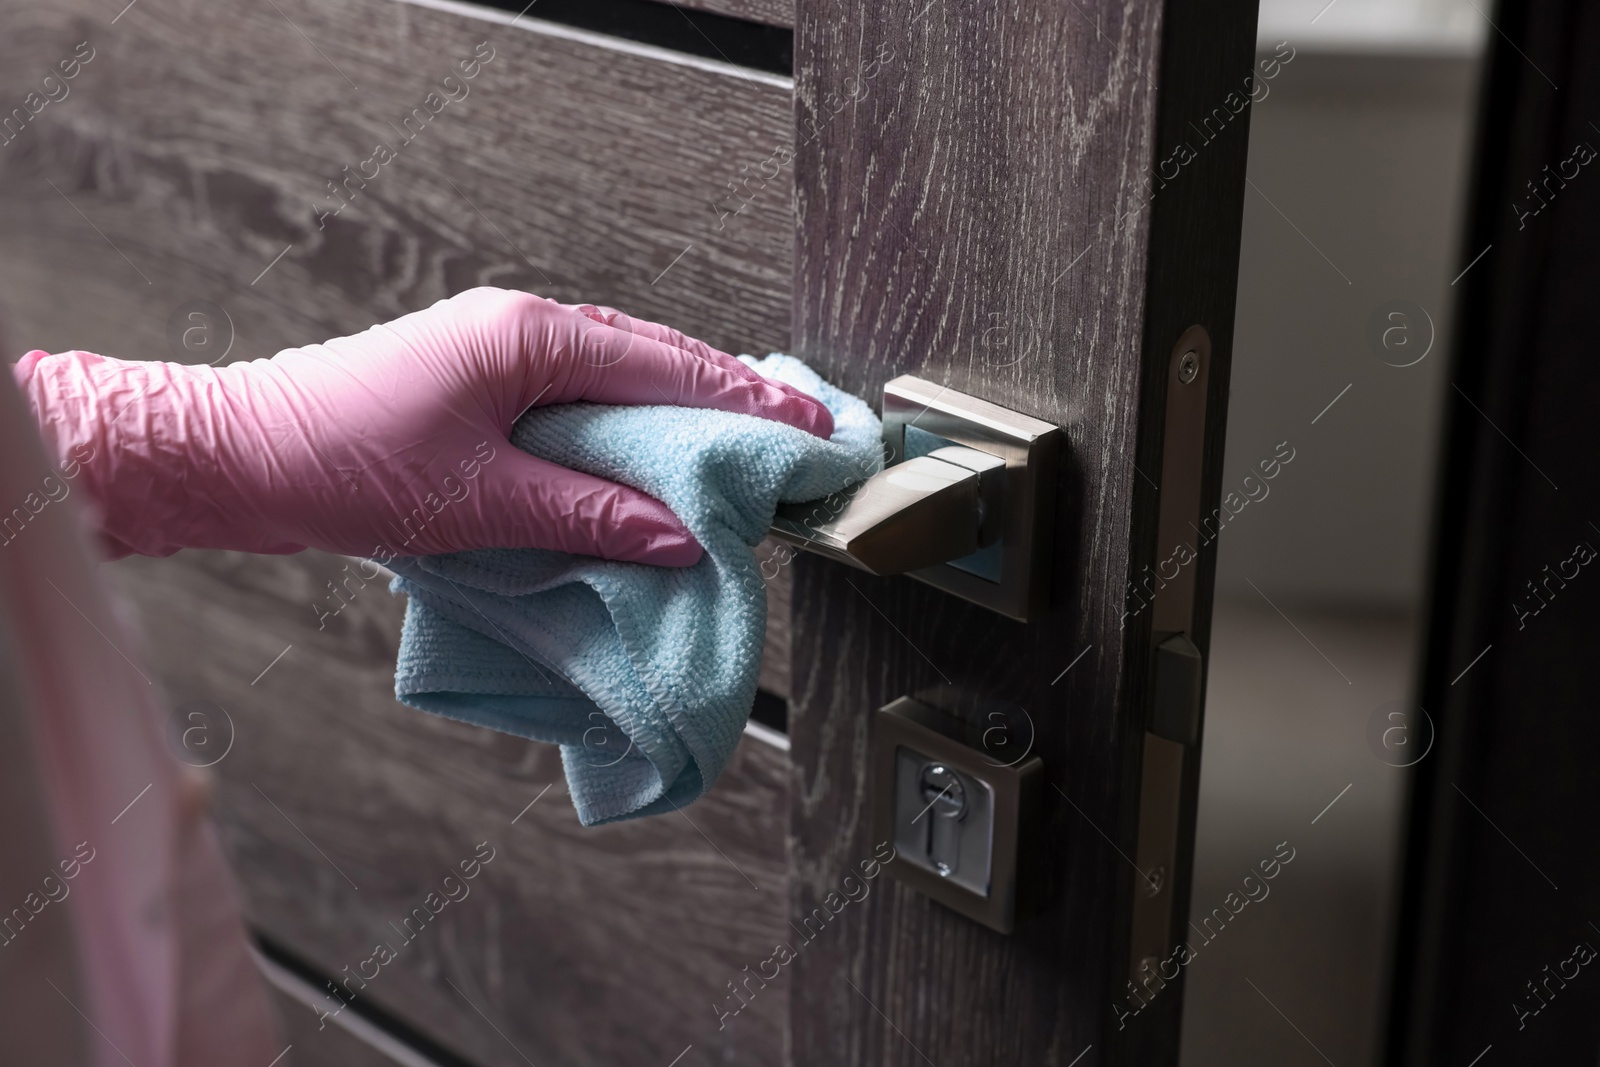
[[1497, 932], [1016, 200], [1035, 203]]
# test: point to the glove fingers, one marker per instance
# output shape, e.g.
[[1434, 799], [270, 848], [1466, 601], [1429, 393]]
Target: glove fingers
[[614, 366], [654, 330], [520, 501], [657, 331]]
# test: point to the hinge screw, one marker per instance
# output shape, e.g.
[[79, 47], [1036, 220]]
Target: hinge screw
[[1188, 367]]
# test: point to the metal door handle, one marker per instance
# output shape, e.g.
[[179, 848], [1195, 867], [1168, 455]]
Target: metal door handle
[[969, 516], [912, 515]]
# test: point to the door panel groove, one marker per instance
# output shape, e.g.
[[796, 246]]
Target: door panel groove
[[306, 993], [737, 41]]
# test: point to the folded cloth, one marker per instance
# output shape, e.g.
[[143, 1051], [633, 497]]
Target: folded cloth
[[643, 675]]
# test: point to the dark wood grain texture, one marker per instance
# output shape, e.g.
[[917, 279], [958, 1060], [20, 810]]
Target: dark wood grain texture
[[971, 189], [201, 138], [1501, 872], [341, 810]]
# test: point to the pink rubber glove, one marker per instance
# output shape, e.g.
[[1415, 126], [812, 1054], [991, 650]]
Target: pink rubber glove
[[390, 442]]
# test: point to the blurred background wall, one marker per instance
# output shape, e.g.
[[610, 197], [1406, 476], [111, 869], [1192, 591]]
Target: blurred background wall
[[1358, 170]]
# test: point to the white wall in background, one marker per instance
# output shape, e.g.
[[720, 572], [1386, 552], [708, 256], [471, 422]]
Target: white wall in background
[[1451, 26], [1358, 166]]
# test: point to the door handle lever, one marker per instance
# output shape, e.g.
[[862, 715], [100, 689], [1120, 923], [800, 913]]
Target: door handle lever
[[912, 515], [970, 514]]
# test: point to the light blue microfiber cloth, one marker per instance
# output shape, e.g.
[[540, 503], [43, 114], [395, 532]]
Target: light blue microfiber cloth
[[643, 675]]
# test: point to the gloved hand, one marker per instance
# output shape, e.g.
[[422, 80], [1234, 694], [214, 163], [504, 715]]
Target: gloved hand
[[390, 442]]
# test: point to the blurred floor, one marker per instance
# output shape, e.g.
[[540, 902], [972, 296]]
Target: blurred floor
[[1296, 978]]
